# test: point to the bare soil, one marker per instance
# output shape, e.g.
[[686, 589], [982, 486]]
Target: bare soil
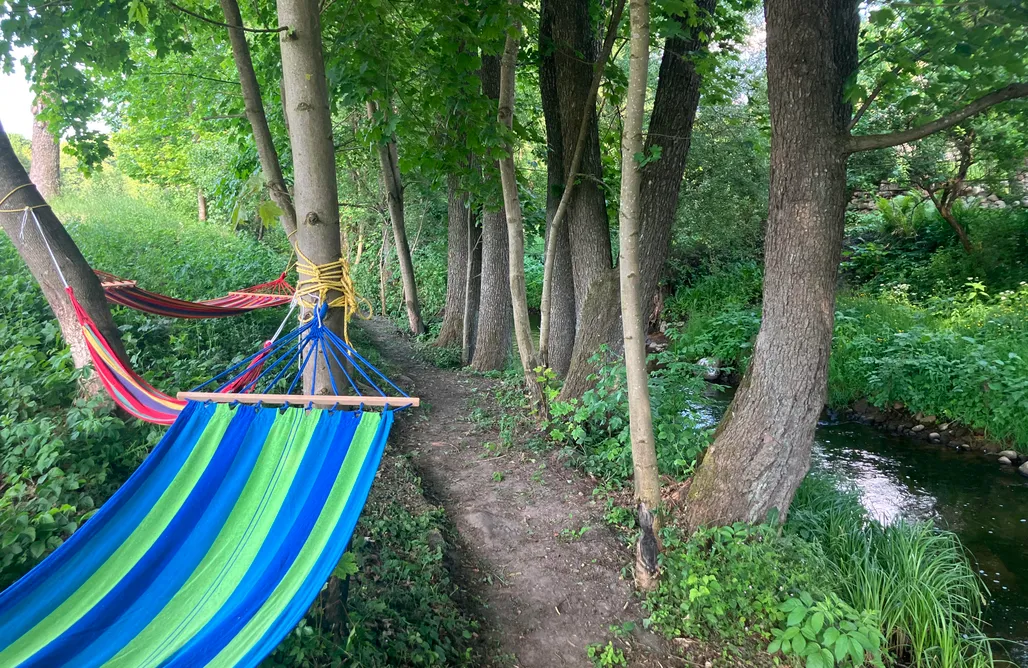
[[546, 574]]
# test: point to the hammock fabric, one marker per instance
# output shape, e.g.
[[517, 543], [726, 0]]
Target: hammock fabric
[[211, 552], [266, 295], [129, 390]]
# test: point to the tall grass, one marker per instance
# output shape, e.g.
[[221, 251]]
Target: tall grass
[[918, 577]]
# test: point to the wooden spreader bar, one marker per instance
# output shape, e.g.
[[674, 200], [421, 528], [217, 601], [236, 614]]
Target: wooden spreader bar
[[321, 400]]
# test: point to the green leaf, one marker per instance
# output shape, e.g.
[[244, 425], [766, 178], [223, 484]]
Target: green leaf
[[842, 646], [347, 566], [775, 645], [817, 622], [831, 635], [269, 212], [796, 616], [815, 661], [799, 643]]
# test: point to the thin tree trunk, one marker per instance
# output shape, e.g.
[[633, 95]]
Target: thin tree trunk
[[644, 448], [945, 209], [201, 205], [254, 105], [385, 275], [761, 450], [45, 170], [387, 158], [515, 224], [473, 294], [457, 262], [33, 250], [670, 130], [549, 259], [310, 134]]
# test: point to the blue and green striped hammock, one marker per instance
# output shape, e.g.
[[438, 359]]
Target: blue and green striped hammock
[[211, 552], [214, 549]]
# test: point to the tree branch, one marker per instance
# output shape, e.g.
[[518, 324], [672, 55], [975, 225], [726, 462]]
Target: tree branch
[[858, 143], [221, 24]]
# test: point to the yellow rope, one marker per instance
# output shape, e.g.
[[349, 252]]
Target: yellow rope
[[319, 280], [20, 209]]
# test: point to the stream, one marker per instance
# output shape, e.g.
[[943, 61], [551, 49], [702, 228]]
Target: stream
[[984, 503]]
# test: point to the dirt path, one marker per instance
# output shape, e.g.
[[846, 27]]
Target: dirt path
[[547, 589]]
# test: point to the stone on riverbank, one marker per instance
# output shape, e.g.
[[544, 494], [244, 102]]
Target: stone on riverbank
[[1006, 461], [1010, 454], [1023, 470]]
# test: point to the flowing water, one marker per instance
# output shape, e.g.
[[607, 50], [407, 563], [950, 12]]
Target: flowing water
[[984, 503]]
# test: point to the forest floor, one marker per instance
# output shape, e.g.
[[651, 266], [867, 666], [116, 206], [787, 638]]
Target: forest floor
[[545, 573]]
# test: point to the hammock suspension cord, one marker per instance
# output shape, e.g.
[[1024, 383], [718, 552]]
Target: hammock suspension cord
[[328, 285], [19, 209]]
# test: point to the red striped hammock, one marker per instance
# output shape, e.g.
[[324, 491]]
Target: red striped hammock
[[128, 389], [126, 293]]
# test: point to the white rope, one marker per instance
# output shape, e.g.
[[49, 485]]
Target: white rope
[[281, 325], [46, 242]]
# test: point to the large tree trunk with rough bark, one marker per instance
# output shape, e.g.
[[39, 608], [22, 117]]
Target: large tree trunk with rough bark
[[670, 128], [393, 183], [34, 251], [562, 283], [644, 447], [310, 133], [459, 213], [761, 450], [254, 106], [495, 320], [45, 170], [492, 343], [568, 37]]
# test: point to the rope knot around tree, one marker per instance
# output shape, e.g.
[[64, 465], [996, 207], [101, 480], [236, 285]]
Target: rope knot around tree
[[320, 281]]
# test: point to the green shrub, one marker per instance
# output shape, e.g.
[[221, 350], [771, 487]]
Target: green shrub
[[828, 633], [595, 429], [731, 582]]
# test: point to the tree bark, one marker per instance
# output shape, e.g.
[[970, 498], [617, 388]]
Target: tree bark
[[459, 218], [562, 284], [951, 191], [387, 159], [568, 38], [670, 129], [492, 345], [644, 448], [310, 134], [557, 221], [254, 105], [385, 275], [473, 294], [769, 426], [45, 170], [33, 250], [515, 224], [201, 205]]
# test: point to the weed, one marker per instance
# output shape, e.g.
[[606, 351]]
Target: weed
[[603, 656]]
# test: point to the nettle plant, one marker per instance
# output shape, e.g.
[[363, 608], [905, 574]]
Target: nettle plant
[[828, 633]]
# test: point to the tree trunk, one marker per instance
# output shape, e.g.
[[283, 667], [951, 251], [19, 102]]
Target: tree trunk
[[33, 250], [387, 159], [473, 295], [492, 345], [556, 223], [515, 224], [644, 448], [201, 205], [385, 275], [946, 211], [45, 170], [568, 38], [761, 450], [310, 134], [459, 214], [562, 284], [670, 129], [254, 105]]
